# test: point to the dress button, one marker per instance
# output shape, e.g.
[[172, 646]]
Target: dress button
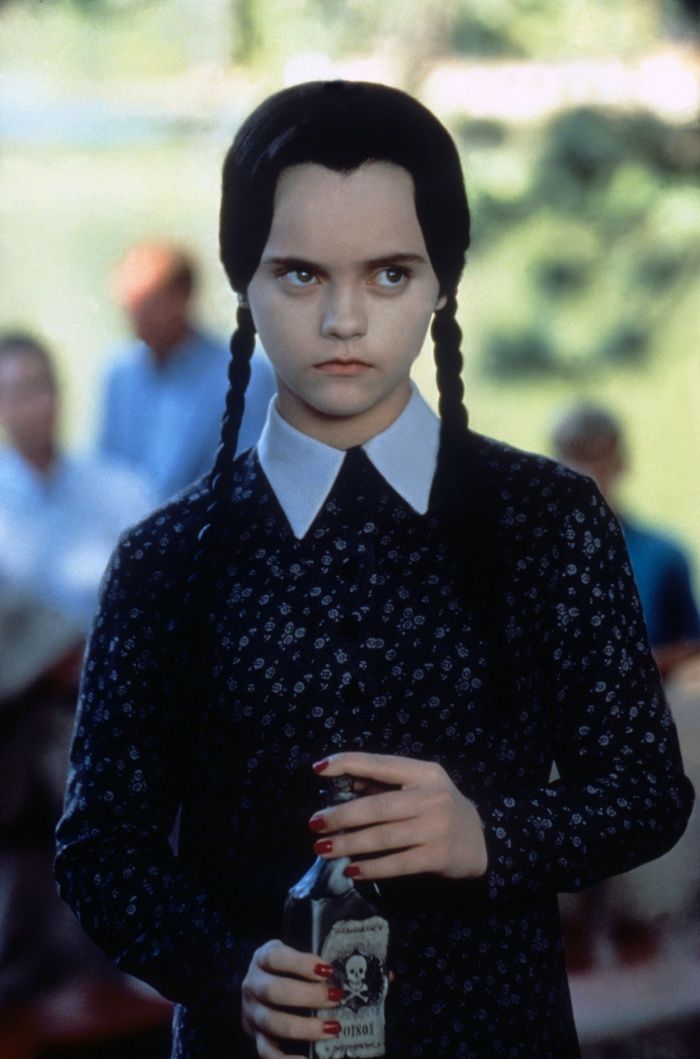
[[349, 626]]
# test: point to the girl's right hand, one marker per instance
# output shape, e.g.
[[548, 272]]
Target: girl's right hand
[[279, 977]]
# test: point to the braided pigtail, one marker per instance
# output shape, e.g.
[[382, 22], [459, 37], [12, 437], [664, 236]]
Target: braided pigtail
[[447, 336], [219, 479], [473, 526], [242, 346]]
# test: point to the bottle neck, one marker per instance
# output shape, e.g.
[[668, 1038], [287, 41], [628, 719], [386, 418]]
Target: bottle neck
[[340, 790]]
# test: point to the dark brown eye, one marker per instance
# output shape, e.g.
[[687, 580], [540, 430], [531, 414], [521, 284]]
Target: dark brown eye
[[391, 277], [299, 277]]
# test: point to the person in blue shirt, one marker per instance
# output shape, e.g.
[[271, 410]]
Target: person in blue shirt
[[164, 392], [590, 439], [61, 514]]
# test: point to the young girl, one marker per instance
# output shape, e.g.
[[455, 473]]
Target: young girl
[[375, 591]]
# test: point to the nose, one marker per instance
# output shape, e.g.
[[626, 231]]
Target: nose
[[344, 312]]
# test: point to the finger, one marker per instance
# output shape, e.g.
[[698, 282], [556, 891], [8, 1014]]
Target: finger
[[379, 839], [386, 768], [277, 991], [283, 1025], [362, 787], [278, 958], [365, 812], [414, 861]]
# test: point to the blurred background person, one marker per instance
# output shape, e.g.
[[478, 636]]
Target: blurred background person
[[60, 514], [653, 912], [590, 439], [164, 395]]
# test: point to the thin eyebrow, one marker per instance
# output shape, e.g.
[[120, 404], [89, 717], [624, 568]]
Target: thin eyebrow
[[384, 261], [292, 263], [395, 259]]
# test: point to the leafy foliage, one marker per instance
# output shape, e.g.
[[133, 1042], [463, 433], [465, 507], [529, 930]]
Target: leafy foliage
[[604, 236]]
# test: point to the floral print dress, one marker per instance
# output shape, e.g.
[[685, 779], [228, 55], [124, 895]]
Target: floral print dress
[[206, 698]]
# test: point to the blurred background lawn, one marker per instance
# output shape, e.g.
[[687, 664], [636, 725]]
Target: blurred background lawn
[[578, 126]]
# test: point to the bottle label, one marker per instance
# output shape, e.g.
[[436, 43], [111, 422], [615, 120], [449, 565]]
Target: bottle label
[[357, 951]]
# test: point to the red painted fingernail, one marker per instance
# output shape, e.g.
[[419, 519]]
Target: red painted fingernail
[[319, 766], [335, 994], [332, 1028], [317, 823], [323, 970], [324, 845], [352, 871]]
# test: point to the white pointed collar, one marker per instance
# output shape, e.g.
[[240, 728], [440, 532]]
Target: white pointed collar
[[302, 470]]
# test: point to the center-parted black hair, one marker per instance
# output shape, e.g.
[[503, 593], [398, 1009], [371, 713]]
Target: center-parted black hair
[[342, 125]]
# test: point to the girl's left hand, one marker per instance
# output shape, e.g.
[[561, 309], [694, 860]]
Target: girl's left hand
[[423, 824]]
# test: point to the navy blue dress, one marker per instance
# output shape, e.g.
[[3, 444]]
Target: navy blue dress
[[363, 635]]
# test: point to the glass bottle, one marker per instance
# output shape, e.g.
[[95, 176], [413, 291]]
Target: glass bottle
[[341, 920]]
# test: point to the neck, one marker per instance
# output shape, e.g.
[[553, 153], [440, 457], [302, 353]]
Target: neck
[[341, 432]]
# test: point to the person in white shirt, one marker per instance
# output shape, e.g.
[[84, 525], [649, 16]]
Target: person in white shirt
[[60, 514]]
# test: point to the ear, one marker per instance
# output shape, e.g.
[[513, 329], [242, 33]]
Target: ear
[[440, 303]]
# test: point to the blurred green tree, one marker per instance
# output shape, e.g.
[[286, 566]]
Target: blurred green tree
[[605, 239], [423, 31]]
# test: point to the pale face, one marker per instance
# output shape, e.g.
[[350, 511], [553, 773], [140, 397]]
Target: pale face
[[342, 298]]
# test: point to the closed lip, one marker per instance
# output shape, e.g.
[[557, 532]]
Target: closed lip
[[343, 362]]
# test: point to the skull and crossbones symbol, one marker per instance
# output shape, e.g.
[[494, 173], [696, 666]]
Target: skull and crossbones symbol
[[355, 976]]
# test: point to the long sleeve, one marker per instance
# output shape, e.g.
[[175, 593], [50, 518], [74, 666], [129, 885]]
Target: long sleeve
[[115, 864], [621, 797]]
